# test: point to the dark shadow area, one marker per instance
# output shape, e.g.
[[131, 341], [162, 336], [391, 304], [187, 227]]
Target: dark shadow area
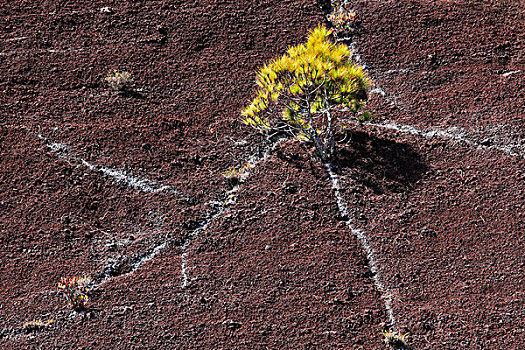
[[325, 5], [131, 94], [300, 155], [384, 166], [381, 165]]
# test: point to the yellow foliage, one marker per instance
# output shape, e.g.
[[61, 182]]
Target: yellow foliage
[[305, 83], [394, 338]]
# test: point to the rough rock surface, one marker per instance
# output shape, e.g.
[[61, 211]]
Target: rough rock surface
[[128, 187]]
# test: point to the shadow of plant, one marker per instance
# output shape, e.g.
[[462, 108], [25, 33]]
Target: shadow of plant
[[325, 5], [129, 93], [382, 165]]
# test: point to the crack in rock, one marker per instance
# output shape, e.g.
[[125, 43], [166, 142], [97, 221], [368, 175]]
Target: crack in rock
[[512, 149], [218, 209], [221, 207], [63, 151], [510, 73], [334, 180], [365, 245], [126, 266]]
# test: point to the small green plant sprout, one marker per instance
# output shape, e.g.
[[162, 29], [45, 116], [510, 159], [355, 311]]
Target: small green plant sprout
[[342, 20], [75, 290], [37, 325], [118, 81], [395, 339], [301, 93]]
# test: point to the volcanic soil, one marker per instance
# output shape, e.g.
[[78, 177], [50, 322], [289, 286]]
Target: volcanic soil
[[449, 235], [129, 187]]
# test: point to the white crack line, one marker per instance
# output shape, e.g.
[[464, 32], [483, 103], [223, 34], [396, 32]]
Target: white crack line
[[144, 259], [510, 73], [219, 208], [141, 184], [376, 89], [141, 260], [363, 240], [222, 207], [18, 38], [15, 52], [202, 226], [512, 149], [429, 133], [360, 235], [120, 176]]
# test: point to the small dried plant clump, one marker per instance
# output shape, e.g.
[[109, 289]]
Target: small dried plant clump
[[118, 81], [395, 339], [75, 290], [343, 20], [37, 324], [237, 174]]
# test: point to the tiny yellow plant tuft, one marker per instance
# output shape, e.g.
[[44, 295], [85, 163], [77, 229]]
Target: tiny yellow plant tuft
[[37, 324], [237, 173], [118, 81], [395, 339]]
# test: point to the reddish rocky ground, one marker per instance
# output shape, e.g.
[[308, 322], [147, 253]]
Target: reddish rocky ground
[[449, 244], [128, 188]]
